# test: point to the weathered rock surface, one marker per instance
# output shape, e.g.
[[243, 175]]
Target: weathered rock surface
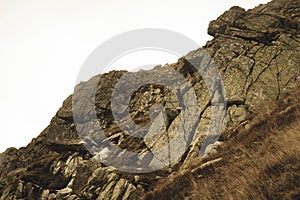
[[257, 53], [257, 160]]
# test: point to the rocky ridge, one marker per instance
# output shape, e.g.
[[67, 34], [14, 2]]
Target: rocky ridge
[[257, 53]]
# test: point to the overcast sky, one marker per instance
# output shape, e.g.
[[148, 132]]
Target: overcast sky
[[44, 43]]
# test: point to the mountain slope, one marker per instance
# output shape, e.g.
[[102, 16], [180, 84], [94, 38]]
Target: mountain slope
[[260, 160], [257, 53]]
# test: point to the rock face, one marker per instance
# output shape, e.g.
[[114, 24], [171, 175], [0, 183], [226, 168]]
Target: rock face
[[257, 53], [259, 160]]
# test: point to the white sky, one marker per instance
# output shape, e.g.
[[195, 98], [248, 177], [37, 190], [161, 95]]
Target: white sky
[[44, 43]]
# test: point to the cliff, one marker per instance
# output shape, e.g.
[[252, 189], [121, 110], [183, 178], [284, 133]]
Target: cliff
[[257, 54]]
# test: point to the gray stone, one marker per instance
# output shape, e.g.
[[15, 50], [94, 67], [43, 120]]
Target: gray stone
[[257, 54]]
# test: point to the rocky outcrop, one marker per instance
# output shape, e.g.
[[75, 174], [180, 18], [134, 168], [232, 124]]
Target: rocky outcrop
[[258, 160], [257, 54]]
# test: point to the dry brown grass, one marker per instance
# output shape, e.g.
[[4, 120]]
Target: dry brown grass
[[259, 161]]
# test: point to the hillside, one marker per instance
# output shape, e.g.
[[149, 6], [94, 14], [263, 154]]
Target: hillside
[[257, 53], [260, 160]]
